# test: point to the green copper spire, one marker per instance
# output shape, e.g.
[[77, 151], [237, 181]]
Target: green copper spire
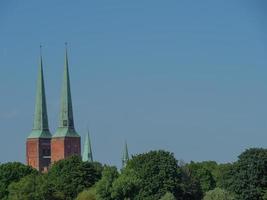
[[40, 123], [87, 151], [66, 123], [125, 155]]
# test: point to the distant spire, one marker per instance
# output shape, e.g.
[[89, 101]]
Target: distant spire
[[87, 151], [66, 122], [125, 155], [40, 123]]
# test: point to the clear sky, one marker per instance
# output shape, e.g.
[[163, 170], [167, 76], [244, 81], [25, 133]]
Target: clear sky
[[185, 76]]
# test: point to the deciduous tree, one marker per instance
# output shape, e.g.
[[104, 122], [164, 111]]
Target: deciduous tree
[[249, 175], [104, 185], [11, 172], [71, 176]]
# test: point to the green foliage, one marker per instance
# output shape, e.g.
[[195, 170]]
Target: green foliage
[[149, 176], [31, 187], [11, 172], [98, 169], [190, 186], [264, 195], [249, 175], [202, 172], [126, 186], [88, 194], [70, 176], [168, 196], [104, 186], [218, 194], [157, 172], [223, 175]]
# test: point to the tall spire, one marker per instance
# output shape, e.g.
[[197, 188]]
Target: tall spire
[[66, 122], [87, 150], [125, 155], [40, 123]]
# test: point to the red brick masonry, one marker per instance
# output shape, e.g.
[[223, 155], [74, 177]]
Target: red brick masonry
[[64, 147], [38, 151]]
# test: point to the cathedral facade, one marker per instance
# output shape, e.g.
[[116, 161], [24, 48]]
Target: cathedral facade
[[43, 148]]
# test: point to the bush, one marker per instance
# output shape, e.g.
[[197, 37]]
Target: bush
[[88, 194], [168, 196], [218, 194]]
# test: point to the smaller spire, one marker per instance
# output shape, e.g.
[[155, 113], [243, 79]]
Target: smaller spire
[[125, 155], [87, 151]]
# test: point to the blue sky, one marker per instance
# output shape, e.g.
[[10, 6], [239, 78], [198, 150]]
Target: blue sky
[[186, 76]]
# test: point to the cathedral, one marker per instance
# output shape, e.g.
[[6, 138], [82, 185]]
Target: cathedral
[[43, 148]]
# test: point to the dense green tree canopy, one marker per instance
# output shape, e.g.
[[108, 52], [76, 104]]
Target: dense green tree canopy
[[104, 186], [223, 175], [150, 176], [126, 186], [157, 172], [249, 175], [11, 172], [70, 176], [64, 181], [202, 173], [190, 185], [32, 187]]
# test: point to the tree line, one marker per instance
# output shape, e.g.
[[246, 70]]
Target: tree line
[[155, 175]]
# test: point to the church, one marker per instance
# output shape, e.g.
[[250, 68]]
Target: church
[[43, 148]]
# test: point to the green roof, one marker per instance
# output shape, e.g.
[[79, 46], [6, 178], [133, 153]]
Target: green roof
[[40, 134], [87, 150], [125, 155], [65, 132], [40, 123], [66, 122]]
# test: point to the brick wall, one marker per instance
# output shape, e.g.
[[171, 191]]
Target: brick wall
[[32, 155], [64, 147], [38, 153]]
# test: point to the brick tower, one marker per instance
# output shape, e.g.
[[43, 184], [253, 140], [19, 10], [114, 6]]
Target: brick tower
[[38, 142], [65, 142]]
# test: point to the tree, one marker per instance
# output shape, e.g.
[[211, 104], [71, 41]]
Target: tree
[[87, 194], [125, 186], [71, 176], [31, 187], [223, 175], [157, 172], [11, 172], [104, 185], [190, 185], [168, 196], [249, 175], [201, 172], [218, 194]]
